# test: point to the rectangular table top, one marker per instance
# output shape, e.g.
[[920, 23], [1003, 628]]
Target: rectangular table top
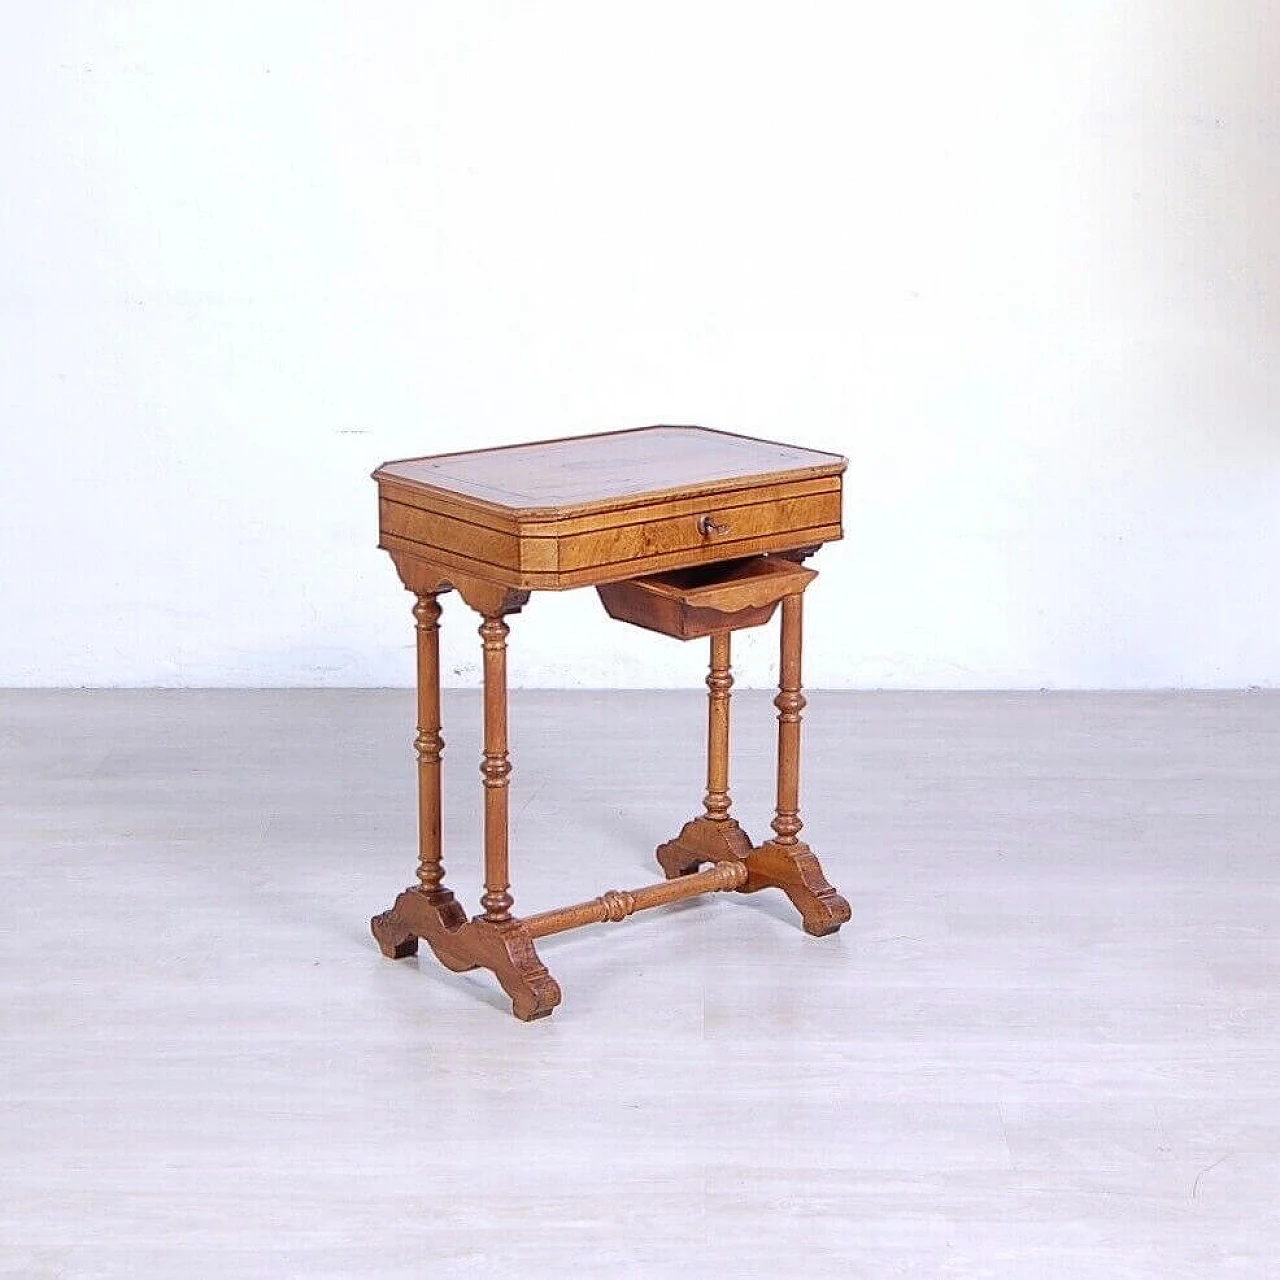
[[579, 473]]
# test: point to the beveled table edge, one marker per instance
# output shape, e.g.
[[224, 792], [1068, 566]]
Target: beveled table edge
[[836, 467]]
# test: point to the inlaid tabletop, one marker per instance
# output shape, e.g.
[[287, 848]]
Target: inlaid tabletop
[[583, 472]]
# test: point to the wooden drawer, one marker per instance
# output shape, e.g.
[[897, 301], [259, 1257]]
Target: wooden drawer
[[691, 603], [712, 532]]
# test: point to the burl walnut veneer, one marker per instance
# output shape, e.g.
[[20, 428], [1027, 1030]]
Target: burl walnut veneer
[[683, 530]]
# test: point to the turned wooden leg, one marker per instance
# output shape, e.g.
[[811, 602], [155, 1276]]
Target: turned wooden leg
[[719, 686], [495, 939], [790, 703], [712, 836], [496, 770], [393, 935], [786, 862], [429, 744]]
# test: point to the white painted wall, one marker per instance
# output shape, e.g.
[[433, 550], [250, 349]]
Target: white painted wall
[[1018, 261]]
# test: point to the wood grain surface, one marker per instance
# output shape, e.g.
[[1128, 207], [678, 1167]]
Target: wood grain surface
[[578, 473]]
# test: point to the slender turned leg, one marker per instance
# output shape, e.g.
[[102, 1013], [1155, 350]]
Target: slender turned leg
[[498, 941], [393, 935], [496, 770], [786, 862], [429, 744], [713, 836], [719, 683], [791, 704]]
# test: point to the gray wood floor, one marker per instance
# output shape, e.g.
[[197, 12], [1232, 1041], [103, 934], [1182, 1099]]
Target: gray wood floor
[[1048, 1044]]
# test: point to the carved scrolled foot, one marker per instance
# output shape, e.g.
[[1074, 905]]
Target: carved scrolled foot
[[417, 914], [702, 840], [795, 870], [508, 950], [460, 944], [394, 938]]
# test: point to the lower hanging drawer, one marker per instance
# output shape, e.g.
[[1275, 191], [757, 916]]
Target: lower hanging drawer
[[689, 603]]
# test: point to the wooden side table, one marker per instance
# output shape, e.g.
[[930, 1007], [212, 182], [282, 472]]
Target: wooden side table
[[682, 530]]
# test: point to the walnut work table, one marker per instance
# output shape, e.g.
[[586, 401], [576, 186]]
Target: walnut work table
[[682, 530]]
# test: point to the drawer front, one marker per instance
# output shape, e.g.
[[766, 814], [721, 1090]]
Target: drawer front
[[709, 534]]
